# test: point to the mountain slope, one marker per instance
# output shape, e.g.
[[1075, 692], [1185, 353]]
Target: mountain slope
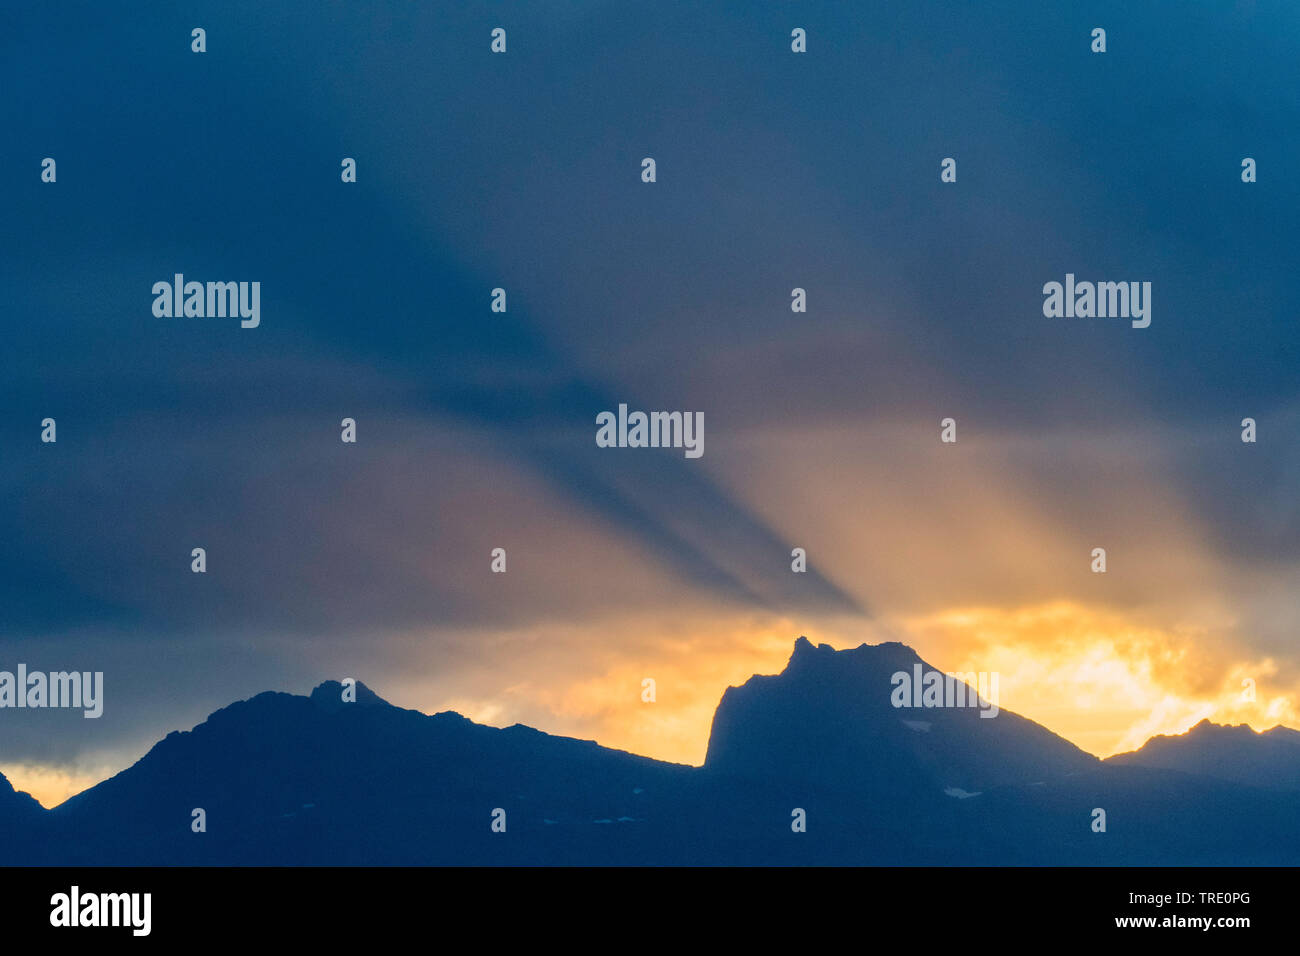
[[20, 815], [16, 803], [287, 779], [829, 717], [1269, 759]]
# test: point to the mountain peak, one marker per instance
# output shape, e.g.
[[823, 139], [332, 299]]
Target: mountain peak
[[888, 654], [329, 695], [831, 718], [1232, 752], [13, 800], [1208, 728], [1281, 733], [804, 648]]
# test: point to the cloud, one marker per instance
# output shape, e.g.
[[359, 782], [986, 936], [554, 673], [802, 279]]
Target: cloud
[[1105, 680]]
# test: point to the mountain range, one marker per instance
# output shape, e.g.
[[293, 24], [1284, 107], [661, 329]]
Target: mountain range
[[1269, 758], [284, 779]]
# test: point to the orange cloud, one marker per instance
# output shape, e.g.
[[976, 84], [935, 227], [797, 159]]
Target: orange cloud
[[52, 785], [1103, 680]]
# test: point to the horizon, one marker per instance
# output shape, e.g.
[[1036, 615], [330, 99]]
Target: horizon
[[55, 793]]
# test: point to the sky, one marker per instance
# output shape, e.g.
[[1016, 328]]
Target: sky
[[774, 170]]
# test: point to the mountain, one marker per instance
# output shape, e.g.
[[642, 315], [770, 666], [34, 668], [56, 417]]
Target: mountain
[[19, 814], [16, 804], [1269, 759], [11, 798], [945, 785], [290, 780], [829, 717], [315, 780]]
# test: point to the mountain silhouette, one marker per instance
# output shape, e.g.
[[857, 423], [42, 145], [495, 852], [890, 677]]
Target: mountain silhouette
[[315, 780], [1263, 759], [16, 806], [19, 814], [13, 801], [285, 779], [828, 717]]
